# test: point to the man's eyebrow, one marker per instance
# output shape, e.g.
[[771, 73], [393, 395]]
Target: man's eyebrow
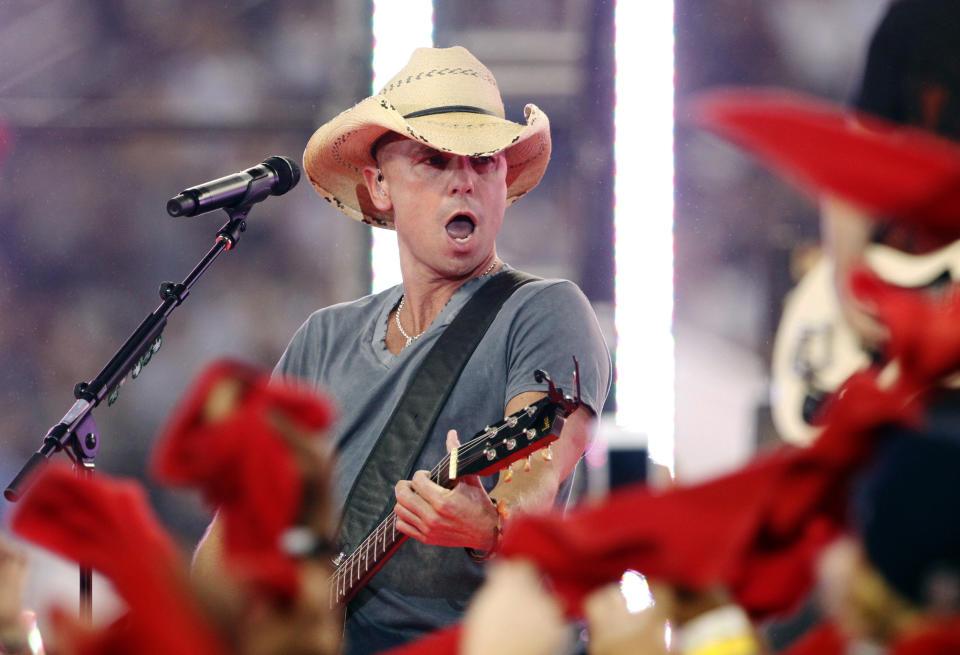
[[423, 149]]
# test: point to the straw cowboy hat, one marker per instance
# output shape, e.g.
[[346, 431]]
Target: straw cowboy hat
[[444, 98]]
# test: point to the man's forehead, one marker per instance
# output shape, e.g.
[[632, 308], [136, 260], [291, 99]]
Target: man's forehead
[[409, 146], [395, 143], [402, 146]]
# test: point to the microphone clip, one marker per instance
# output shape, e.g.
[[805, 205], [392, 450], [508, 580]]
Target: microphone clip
[[229, 234]]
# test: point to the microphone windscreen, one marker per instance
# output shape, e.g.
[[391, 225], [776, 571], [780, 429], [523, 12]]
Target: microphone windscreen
[[288, 173]]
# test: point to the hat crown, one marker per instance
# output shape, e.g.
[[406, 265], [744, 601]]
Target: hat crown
[[443, 77]]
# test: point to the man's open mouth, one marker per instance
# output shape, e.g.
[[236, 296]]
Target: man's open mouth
[[461, 227]]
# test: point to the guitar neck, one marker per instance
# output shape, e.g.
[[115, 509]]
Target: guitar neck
[[354, 571]]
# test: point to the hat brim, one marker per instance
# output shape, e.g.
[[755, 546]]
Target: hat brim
[[339, 150], [883, 167]]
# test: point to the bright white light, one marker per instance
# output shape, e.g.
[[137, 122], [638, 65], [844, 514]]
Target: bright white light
[[643, 222], [399, 27], [636, 593], [634, 588], [28, 619]]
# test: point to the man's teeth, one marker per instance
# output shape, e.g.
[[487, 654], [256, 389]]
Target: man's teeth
[[460, 228]]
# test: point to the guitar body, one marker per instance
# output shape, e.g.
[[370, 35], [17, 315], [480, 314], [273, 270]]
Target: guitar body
[[815, 350]]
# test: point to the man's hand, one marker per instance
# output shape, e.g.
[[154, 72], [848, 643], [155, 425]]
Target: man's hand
[[462, 516]]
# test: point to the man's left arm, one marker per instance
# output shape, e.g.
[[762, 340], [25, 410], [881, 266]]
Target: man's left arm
[[541, 337]]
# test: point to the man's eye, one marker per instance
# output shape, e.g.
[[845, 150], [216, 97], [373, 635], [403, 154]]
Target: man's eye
[[483, 161], [436, 160]]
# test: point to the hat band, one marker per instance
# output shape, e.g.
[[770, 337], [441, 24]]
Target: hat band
[[449, 109]]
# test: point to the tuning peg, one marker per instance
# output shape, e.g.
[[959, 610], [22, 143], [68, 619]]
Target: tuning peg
[[526, 464], [508, 474], [547, 454]]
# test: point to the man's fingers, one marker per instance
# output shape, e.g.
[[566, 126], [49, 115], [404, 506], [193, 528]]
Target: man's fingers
[[452, 440], [413, 502], [407, 517], [409, 529], [426, 488], [407, 494]]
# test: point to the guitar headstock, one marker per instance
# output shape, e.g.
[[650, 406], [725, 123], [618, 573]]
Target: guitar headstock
[[534, 427]]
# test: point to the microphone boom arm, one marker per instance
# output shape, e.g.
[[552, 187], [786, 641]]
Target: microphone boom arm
[[76, 431]]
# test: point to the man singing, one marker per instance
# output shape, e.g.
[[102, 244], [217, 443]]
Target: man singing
[[432, 157]]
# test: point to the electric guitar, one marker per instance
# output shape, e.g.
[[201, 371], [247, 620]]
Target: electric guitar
[[493, 448], [815, 350]]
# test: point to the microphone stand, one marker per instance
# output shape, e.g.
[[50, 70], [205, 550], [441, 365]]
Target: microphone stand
[[76, 433]]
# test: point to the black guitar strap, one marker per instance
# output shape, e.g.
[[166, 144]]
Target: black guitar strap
[[392, 459]]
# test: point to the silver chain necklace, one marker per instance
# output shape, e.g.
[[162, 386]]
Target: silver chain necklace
[[400, 309]]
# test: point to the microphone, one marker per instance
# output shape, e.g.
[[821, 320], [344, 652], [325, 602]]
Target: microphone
[[274, 177]]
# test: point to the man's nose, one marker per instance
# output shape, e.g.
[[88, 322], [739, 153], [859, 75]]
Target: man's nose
[[462, 176]]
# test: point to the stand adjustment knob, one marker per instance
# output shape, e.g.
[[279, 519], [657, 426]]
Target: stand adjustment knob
[[81, 391]]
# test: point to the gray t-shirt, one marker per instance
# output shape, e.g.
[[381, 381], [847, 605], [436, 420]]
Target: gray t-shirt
[[341, 350]]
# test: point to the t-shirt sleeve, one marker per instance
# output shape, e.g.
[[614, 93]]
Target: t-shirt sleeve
[[550, 328]]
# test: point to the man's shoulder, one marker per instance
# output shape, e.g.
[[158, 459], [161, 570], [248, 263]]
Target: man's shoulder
[[534, 307], [547, 290]]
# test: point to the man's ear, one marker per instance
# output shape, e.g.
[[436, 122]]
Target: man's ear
[[377, 187]]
